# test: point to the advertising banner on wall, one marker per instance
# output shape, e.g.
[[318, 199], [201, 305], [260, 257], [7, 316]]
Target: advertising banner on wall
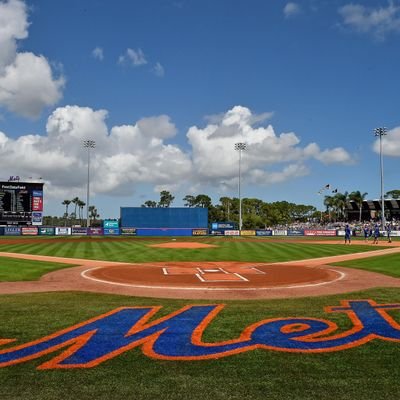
[[111, 231], [78, 231], [232, 233], [200, 232], [110, 223], [96, 231], [128, 231], [222, 225], [295, 232], [29, 230], [248, 232], [264, 232], [280, 232], [320, 232], [12, 231], [46, 230], [62, 231]]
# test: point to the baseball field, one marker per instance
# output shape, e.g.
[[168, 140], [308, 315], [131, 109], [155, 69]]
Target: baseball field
[[201, 318]]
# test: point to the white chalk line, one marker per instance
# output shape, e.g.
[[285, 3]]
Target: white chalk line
[[341, 276]]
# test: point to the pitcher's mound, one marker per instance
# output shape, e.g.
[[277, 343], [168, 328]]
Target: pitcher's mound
[[183, 245]]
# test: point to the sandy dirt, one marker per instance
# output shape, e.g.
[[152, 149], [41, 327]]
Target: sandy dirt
[[314, 277]]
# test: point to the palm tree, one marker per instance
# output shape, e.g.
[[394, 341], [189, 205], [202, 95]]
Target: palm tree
[[329, 203], [66, 203], [81, 204], [358, 198], [93, 213], [341, 200]]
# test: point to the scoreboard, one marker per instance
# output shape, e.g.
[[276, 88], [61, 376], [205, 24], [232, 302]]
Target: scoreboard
[[21, 203]]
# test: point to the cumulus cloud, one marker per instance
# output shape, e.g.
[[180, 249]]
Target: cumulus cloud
[[124, 155], [140, 153], [378, 21], [98, 53], [291, 10], [215, 159], [133, 57], [390, 143], [27, 82]]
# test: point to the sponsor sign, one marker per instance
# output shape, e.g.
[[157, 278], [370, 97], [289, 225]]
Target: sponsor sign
[[128, 231], [395, 234], [37, 218], [96, 231], [49, 231], [111, 231], [295, 232], [29, 230], [200, 232], [110, 223], [319, 232], [78, 231], [217, 232], [12, 231], [37, 193], [249, 232], [232, 233], [264, 232], [37, 203], [280, 232], [62, 230], [222, 225]]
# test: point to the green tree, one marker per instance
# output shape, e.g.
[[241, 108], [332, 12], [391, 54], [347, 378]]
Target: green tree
[[190, 201], [66, 203], [75, 201], [149, 204], [202, 200], [358, 198], [166, 199], [93, 214], [393, 194]]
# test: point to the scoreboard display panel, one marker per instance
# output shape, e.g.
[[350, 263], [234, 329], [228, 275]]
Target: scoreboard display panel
[[21, 203]]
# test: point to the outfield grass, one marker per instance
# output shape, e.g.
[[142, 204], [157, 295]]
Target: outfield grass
[[369, 372], [139, 250], [13, 270], [388, 265]]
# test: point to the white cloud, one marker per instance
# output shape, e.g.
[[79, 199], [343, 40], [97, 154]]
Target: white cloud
[[124, 156], [27, 84], [133, 57], [139, 153], [98, 53], [390, 143], [375, 21], [159, 70], [291, 10], [215, 160]]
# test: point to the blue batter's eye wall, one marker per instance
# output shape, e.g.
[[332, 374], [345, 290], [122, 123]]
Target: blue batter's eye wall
[[164, 221]]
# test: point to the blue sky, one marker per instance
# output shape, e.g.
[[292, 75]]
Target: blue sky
[[167, 87]]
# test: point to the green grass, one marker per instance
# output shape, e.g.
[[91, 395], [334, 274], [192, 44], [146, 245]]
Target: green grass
[[13, 270], [138, 250], [388, 265], [369, 372]]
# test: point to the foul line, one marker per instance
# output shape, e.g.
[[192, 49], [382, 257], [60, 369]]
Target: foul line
[[84, 275]]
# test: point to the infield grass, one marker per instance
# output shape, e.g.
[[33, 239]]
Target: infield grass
[[370, 371], [13, 270], [388, 265]]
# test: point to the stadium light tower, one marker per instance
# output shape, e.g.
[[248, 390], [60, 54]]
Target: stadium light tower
[[88, 144], [379, 132], [240, 147]]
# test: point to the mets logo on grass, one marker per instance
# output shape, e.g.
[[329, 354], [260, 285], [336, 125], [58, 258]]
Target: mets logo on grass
[[178, 336]]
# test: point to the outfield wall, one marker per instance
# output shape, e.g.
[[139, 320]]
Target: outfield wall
[[176, 221]]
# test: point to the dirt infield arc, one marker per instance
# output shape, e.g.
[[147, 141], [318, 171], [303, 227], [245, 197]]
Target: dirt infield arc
[[206, 280]]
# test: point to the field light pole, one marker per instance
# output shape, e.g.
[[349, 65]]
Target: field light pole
[[88, 144], [240, 147], [379, 132]]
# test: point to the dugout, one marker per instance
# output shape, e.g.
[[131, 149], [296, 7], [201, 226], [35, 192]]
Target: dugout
[[168, 221]]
